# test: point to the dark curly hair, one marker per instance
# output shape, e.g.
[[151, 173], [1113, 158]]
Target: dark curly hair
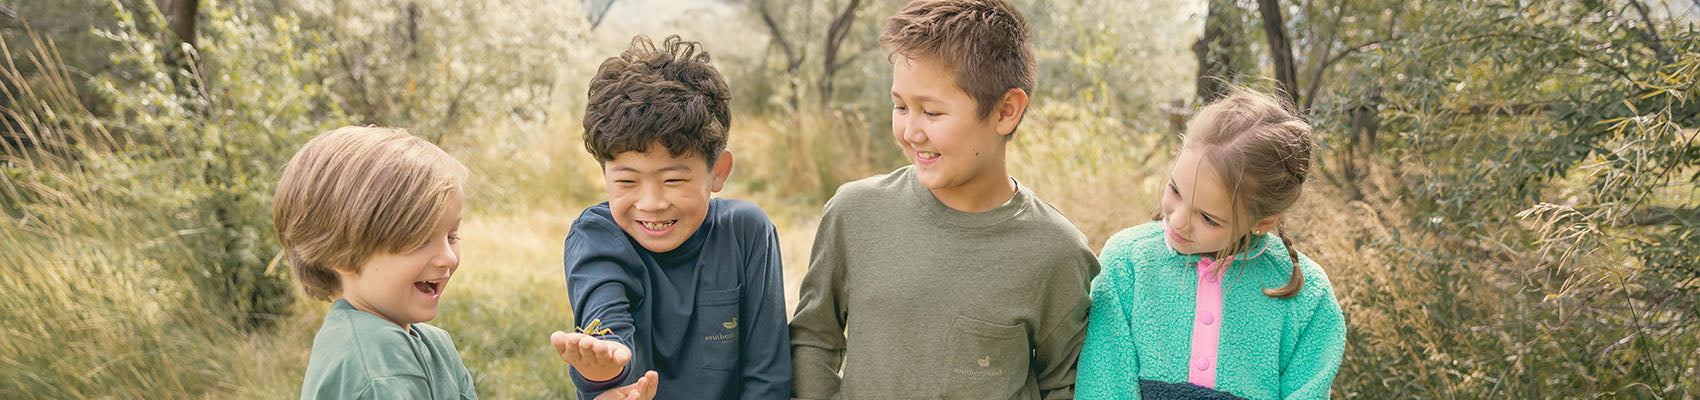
[[671, 96]]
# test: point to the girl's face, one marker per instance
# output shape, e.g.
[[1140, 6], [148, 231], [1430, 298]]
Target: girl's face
[[1197, 214], [403, 288]]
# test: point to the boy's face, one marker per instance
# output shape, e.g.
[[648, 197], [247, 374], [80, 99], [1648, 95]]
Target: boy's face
[[660, 199], [404, 287], [1197, 213], [940, 130]]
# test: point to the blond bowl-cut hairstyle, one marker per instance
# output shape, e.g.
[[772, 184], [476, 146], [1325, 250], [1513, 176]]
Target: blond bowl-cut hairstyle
[[355, 192]]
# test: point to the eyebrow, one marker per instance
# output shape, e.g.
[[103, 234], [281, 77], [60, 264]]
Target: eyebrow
[[920, 98], [1206, 213], [669, 168]]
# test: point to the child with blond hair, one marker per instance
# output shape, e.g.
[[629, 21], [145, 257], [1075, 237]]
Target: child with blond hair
[[369, 217]]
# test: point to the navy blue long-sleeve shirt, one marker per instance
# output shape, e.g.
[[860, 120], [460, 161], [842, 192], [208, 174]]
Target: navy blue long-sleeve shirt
[[708, 317]]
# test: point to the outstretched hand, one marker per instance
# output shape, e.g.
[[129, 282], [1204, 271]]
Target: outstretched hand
[[595, 359], [644, 389]]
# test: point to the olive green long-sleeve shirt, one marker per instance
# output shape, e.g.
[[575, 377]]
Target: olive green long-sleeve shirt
[[909, 298]]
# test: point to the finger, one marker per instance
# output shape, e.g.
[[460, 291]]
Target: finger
[[586, 349], [565, 347], [559, 339], [651, 383], [602, 352], [619, 354], [640, 389]]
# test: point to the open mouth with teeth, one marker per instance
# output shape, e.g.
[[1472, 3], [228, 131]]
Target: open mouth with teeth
[[432, 287], [927, 155], [658, 227]]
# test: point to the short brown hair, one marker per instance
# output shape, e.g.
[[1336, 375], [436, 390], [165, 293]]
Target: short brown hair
[[356, 191], [671, 96], [985, 43]]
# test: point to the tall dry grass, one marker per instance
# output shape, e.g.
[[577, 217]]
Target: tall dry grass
[[94, 307]]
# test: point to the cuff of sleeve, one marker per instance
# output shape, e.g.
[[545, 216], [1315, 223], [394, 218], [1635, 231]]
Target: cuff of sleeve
[[590, 387]]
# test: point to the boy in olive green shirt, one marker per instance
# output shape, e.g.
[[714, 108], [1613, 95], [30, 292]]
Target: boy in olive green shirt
[[945, 279], [370, 217]]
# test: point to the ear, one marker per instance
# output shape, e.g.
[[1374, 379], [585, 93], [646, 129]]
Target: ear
[[1010, 109], [1267, 224], [722, 170], [345, 273]]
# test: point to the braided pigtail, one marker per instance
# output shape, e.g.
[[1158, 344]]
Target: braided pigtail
[[1294, 282]]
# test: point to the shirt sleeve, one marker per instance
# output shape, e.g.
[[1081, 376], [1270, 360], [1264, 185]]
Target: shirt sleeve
[[766, 366], [1057, 349], [817, 330], [1310, 371], [1109, 364], [463, 378], [603, 272]]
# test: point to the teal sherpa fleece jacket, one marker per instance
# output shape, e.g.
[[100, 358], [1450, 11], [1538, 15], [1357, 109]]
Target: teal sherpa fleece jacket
[[1140, 328]]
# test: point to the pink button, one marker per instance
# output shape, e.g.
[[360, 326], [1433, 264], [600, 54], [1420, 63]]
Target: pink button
[[1209, 277], [1201, 364], [1207, 318]]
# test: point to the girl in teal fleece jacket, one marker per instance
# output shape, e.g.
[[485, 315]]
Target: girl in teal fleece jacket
[[1209, 301]]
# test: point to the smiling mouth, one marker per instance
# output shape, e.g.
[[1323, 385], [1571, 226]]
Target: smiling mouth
[[658, 225], [927, 155], [431, 287]]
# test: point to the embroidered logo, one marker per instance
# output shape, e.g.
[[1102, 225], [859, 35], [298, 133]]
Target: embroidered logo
[[984, 373], [724, 337]]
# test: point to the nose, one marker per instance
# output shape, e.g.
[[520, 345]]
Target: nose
[[912, 131], [1177, 219], [448, 257], [650, 199]]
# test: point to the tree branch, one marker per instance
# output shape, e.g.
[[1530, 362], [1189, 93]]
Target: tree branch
[[598, 15], [853, 56], [1507, 109], [1660, 216], [1315, 83], [835, 35], [792, 61], [1651, 33], [1280, 48]]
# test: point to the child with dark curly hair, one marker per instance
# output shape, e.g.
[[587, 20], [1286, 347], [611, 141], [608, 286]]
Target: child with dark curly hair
[[677, 294]]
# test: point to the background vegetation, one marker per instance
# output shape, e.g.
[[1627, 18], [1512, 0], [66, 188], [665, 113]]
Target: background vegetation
[[1505, 200]]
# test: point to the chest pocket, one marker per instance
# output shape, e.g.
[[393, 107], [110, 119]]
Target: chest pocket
[[987, 360], [718, 328]]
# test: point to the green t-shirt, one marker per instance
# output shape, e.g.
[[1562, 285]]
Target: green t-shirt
[[357, 355]]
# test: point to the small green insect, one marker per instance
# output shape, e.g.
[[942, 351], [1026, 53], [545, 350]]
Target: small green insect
[[595, 328]]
